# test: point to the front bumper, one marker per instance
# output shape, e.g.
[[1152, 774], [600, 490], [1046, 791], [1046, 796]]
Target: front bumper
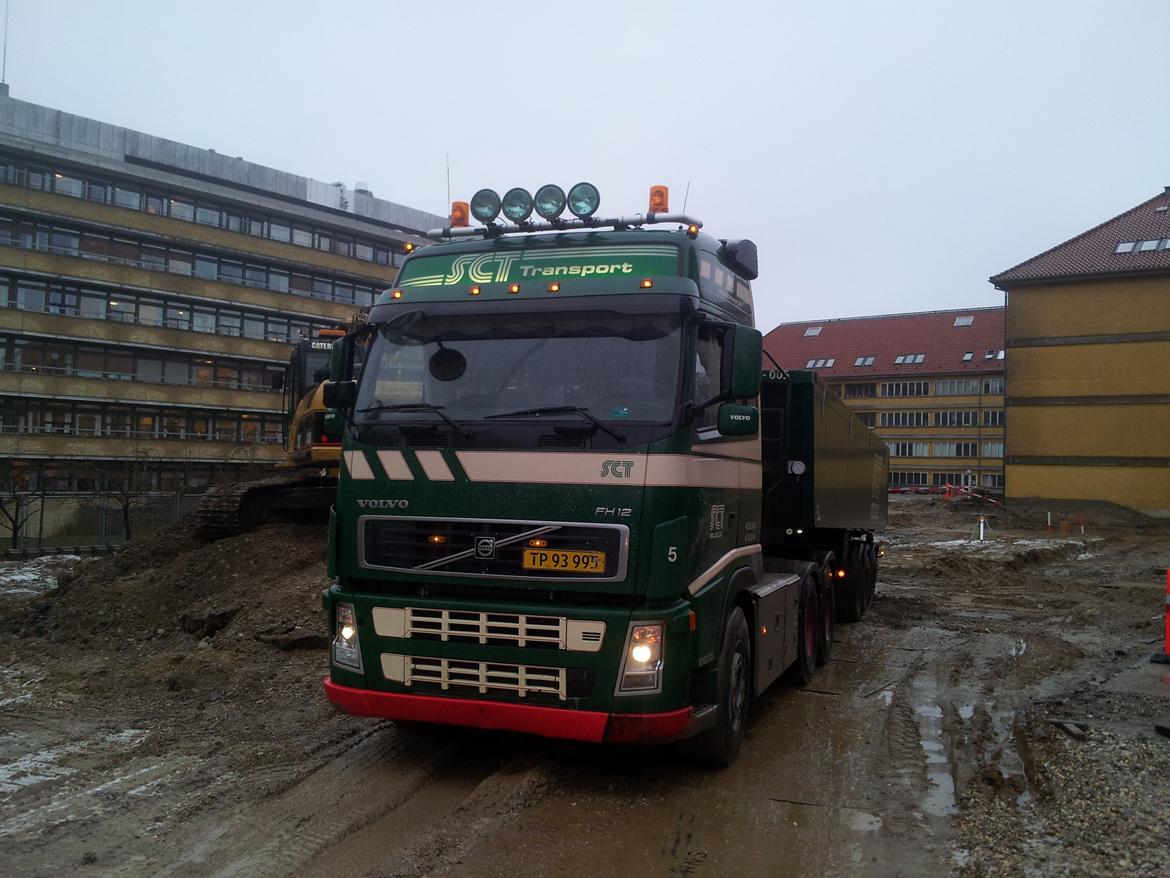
[[550, 722]]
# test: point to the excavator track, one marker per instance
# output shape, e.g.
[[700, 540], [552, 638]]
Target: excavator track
[[227, 510]]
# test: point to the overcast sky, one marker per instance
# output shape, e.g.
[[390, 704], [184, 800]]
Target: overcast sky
[[885, 156]]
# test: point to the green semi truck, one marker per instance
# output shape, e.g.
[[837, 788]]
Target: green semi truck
[[571, 503]]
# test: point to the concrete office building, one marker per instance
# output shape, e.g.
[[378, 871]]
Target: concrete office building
[[149, 294], [930, 384], [1088, 331]]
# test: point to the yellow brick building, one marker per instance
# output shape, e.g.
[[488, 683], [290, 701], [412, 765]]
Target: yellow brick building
[[1088, 379], [930, 384]]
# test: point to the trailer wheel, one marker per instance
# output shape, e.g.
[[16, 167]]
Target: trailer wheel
[[721, 744], [828, 613], [872, 572], [808, 623]]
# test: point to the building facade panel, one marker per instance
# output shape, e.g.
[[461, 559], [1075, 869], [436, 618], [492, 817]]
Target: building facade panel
[[82, 448], [1085, 309], [1089, 430], [1141, 488], [1091, 370]]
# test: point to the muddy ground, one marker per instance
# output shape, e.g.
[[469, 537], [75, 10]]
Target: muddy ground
[[161, 714]]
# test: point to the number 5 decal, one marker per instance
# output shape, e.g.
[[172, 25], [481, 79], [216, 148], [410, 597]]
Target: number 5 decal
[[672, 554]]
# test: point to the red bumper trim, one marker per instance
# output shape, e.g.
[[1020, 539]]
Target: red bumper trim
[[551, 722]]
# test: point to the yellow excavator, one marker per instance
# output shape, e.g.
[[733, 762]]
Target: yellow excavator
[[303, 486]]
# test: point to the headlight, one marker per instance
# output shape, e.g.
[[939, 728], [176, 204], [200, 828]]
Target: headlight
[[642, 663], [346, 651]]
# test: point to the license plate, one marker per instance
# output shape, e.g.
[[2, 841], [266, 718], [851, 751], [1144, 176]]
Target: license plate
[[570, 562]]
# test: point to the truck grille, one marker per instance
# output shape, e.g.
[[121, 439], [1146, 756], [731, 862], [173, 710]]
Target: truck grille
[[482, 677], [485, 547], [498, 629]]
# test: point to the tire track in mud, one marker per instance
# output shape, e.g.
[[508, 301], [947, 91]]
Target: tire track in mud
[[381, 807]]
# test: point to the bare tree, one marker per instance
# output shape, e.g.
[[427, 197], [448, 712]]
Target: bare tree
[[122, 486], [17, 505]]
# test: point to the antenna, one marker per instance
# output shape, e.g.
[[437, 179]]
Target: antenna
[[686, 194], [448, 169], [4, 66]]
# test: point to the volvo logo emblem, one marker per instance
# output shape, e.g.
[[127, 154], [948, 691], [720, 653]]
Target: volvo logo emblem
[[485, 547]]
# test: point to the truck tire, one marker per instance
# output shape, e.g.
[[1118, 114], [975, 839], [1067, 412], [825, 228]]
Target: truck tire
[[808, 623], [828, 614], [720, 745]]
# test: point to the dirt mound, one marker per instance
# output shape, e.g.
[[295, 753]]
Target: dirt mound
[[260, 584]]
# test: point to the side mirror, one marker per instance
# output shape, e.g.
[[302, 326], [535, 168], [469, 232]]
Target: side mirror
[[339, 394], [738, 420], [747, 351]]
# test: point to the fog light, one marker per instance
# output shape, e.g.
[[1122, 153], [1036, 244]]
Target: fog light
[[642, 665], [346, 651]]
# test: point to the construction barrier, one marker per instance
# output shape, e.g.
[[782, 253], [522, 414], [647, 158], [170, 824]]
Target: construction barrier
[[1163, 657]]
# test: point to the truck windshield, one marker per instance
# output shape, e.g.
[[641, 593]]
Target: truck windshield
[[617, 367]]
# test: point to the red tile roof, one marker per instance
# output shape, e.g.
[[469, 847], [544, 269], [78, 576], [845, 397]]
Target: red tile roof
[[885, 337], [1094, 253]]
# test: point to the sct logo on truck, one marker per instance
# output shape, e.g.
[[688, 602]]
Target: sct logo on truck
[[618, 469]]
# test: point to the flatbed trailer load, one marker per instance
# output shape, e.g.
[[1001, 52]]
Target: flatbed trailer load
[[570, 502]]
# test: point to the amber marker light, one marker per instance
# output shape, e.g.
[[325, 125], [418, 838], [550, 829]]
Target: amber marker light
[[538, 544], [647, 283], [692, 231], [436, 539], [396, 294], [474, 291], [514, 289], [841, 573], [554, 287], [408, 247]]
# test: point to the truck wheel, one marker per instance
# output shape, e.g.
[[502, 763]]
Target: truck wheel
[[808, 623], [828, 614], [720, 745]]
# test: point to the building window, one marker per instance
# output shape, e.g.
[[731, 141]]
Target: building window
[[863, 361], [960, 479], [909, 359], [1125, 247], [993, 418], [207, 216], [956, 449], [867, 418], [956, 419], [905, 419], [907, 480], [909, 449], [860, 391], [811, 331], [820, 364], [71, 186], [278, 232], [905, 388], [993, 449], [965, 320], [957, 387], [992, 386], [991, 480], [183, 210], [967, 357]]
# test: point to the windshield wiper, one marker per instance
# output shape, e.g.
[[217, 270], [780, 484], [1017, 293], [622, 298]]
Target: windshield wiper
[[561, 409], [417, 407]]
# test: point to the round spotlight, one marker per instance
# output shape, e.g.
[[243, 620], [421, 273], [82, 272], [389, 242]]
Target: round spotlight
[[584, 200], [517, 205], [550, 201], [485, 205]]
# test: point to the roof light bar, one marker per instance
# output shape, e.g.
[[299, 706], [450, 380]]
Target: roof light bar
[[622, 222]]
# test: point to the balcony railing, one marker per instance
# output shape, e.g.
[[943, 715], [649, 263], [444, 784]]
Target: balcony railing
[[74, 372]]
